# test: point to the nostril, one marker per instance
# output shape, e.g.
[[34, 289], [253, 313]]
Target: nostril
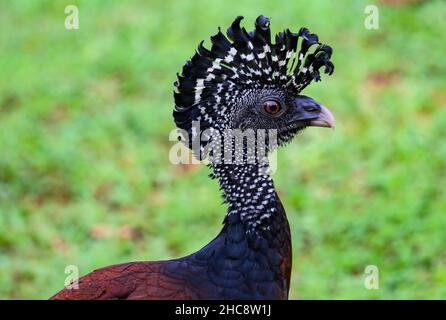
[[311, 108]]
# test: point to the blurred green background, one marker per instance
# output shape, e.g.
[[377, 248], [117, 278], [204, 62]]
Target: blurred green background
[[85, 116]]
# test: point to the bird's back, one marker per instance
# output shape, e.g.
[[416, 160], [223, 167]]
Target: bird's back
[[129, 281]]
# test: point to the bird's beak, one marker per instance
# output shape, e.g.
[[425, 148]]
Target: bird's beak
[[325, 119]]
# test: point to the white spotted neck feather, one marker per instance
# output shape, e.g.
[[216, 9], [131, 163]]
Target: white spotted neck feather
[[250, 193]]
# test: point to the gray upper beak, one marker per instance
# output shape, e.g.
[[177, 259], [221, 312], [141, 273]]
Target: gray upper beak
[[325, 119]]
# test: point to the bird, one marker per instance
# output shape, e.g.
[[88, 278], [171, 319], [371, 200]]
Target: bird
[[244, 81]]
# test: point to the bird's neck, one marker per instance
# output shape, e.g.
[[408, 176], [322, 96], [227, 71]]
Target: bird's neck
[[255, 227], [249, 191], [253, 204]]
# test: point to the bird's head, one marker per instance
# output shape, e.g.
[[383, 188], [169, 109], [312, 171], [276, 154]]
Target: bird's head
[[248, 82]]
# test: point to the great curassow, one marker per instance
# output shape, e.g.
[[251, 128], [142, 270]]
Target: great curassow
[[243, 83]]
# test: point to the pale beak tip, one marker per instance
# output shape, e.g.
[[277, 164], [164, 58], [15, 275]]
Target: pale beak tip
[[325, 119]]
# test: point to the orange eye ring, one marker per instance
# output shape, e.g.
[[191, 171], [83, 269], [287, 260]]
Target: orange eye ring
[[272, 107]]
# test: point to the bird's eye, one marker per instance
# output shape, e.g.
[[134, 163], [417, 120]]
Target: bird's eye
[[272, 107]]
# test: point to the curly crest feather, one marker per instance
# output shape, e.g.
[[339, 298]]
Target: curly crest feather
[[213, 79]]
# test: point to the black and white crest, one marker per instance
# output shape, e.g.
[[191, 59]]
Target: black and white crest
[[213, 82]]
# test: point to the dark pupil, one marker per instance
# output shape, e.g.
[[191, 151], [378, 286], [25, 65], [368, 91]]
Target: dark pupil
[[272, 107]]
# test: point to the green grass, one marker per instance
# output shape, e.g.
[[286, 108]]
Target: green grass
[[84, 120]]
